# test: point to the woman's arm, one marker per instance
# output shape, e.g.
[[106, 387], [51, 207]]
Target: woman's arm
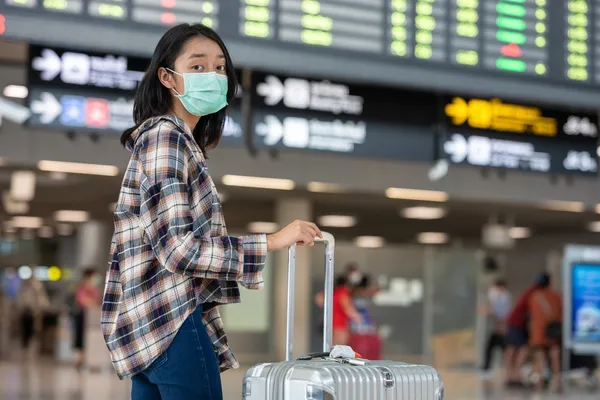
[[373, 290], [168, 223], [349, 309], [320, 299]]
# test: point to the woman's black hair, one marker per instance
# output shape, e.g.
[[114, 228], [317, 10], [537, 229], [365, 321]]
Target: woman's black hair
[[340, 281], [365, 282], [152, 99], [543, 280]]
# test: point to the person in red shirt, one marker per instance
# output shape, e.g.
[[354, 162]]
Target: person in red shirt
[[343, 312], [545, 309], [517, 339], [87, 295], [343, 305]]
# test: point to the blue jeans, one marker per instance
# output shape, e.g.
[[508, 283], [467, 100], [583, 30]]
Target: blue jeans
[[187, 370]]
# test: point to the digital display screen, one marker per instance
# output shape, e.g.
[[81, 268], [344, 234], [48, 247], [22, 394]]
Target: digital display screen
[[585, 291], [512, 36], [515, 36], [526, 40], [153, 12]]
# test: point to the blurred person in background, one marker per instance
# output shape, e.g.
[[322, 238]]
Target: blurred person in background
[[517, 337], [343, 306], [87, 296], [545, 312], [172, 260], [344, 312], [32, 302], [353, 274], [499, 303], [364, 335]]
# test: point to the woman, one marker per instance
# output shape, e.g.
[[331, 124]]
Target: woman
[[32, 302], [87, 296], [545, 312], [172, 261], [497, 308], [517, 337]]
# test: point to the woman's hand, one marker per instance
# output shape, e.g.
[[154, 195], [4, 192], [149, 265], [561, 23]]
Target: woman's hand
[[298, 232], [320, 299], [357, 317]]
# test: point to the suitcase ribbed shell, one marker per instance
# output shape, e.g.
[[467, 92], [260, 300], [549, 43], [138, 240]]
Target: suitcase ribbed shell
[[329, 380]]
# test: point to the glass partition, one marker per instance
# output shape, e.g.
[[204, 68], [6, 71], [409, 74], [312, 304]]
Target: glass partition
[[451, 278], [398, 309]]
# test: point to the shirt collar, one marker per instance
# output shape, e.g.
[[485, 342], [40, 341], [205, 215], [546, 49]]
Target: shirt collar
[[151, 123]]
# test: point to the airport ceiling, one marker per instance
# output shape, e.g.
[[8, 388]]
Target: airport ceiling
[[376, 215]]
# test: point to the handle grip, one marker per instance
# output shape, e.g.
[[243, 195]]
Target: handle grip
[[329, 241]]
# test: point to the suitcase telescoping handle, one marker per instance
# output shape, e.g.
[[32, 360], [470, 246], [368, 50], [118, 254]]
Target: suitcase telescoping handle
[[328, 297]]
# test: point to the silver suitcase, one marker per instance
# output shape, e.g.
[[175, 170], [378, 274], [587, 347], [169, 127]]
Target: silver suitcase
[[322, 378]]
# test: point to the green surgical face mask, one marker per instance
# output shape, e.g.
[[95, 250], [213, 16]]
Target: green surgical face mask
[[204, 92]]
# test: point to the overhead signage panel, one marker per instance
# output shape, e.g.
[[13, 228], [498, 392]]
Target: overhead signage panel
[[325, 97], [93, 92], [321, 115], [68, 68], [496, 115], [108, 114], [78, 110], [520, 153], [357, 138]]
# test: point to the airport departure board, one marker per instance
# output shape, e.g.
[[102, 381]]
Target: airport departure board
[[152, 12], [542, 41], [509, 36]]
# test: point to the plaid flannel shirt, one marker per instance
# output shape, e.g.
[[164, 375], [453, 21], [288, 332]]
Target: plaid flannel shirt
[[170, 251]]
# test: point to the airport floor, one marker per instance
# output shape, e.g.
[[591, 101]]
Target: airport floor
[[43, 380]]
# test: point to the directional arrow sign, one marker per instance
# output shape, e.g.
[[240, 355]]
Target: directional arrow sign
[[47, 107], [271, 129], [272, 90], [49, 64], [457, 147], [458, 110]]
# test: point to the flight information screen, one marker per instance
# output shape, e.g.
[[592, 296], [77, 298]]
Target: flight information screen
[[539, 41], [521, 37], [154, 12]]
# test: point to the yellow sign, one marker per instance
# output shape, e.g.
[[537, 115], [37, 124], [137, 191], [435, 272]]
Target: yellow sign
[[498, 116]]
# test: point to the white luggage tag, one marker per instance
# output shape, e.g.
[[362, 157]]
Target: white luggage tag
[[346, 355], [342, 352]]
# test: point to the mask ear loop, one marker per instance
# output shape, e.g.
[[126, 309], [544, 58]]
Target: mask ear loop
[[177, 73]]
